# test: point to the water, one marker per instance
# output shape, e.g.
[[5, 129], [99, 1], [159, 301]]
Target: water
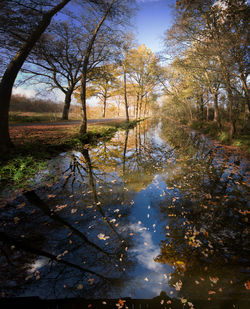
[[155, 209]]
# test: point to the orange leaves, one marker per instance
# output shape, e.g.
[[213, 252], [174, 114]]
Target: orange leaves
[[247, 285], [120, 303], [211, 292]]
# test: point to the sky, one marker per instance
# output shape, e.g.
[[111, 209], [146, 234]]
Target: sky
[[151, 21]]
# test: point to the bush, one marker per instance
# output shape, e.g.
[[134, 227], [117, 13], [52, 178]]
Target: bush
[[223, 136], [196, 124]]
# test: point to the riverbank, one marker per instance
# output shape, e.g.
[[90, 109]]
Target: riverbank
[[35, 145], [239, 145]]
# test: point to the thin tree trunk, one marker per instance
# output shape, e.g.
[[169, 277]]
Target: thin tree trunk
[[67, 101], [232, 130], [216, 109], [12, 70], [137, 106], [83, 128], [125, 95], [140, 109], [104, 107]]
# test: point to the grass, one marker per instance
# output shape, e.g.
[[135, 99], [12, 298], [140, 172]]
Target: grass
[[242, 141], [35, 145], [30, 117]]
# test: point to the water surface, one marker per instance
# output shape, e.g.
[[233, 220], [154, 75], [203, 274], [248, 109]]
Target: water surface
[[155, 209]]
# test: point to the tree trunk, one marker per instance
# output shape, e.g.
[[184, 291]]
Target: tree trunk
[[232, 130], [83, 128], [137, 105], [125, 95], [201, 103], [67, 101], [140, 109], [12, 70], [104, 107], [216, 109]]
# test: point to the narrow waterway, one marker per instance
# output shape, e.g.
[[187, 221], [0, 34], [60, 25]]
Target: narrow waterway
[[157, 208]]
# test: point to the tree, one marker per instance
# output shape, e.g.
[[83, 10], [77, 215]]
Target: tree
[[104, 85], [143, 66], [215, 30], [116, 11], [15, 65]]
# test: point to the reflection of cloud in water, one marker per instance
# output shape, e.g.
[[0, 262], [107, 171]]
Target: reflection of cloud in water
[[151, 276], [145, 250]]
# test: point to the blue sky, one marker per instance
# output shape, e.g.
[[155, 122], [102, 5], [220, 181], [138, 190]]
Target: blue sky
[[151, 21]]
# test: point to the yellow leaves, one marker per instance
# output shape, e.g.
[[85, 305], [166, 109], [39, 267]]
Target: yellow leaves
[[60, 207], [214, 279], [102, 236], [120, 303], [178, 285]]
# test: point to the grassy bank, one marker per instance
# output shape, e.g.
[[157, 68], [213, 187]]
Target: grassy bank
[[35, 145], [241, 140]]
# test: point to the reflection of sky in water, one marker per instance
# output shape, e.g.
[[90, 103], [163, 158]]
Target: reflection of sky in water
[[141, 177], [150, 276]]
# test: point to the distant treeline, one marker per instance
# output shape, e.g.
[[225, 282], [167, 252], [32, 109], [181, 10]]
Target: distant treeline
[[20, 103]]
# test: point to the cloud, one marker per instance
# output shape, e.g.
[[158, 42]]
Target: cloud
[[25, 92]]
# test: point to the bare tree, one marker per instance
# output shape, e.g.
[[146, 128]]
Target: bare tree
[[17, 61]]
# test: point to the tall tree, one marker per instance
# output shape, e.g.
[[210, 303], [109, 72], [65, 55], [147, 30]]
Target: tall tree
[[17, 61], [117, 12]]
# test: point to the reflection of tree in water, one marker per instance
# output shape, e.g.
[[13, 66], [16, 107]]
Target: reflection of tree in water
[[207, 233], [75, 260]]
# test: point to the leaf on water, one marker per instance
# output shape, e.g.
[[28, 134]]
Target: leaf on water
[[146, 279], [162, 301], [60, 207], [16, 220], [247, 285], [214, 279], [51, 196], [139, 222], [208, 196], [21, 205], [79, 287], [211, 292], [183, 300], [102, 236], [73, 211], [117, 210]]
